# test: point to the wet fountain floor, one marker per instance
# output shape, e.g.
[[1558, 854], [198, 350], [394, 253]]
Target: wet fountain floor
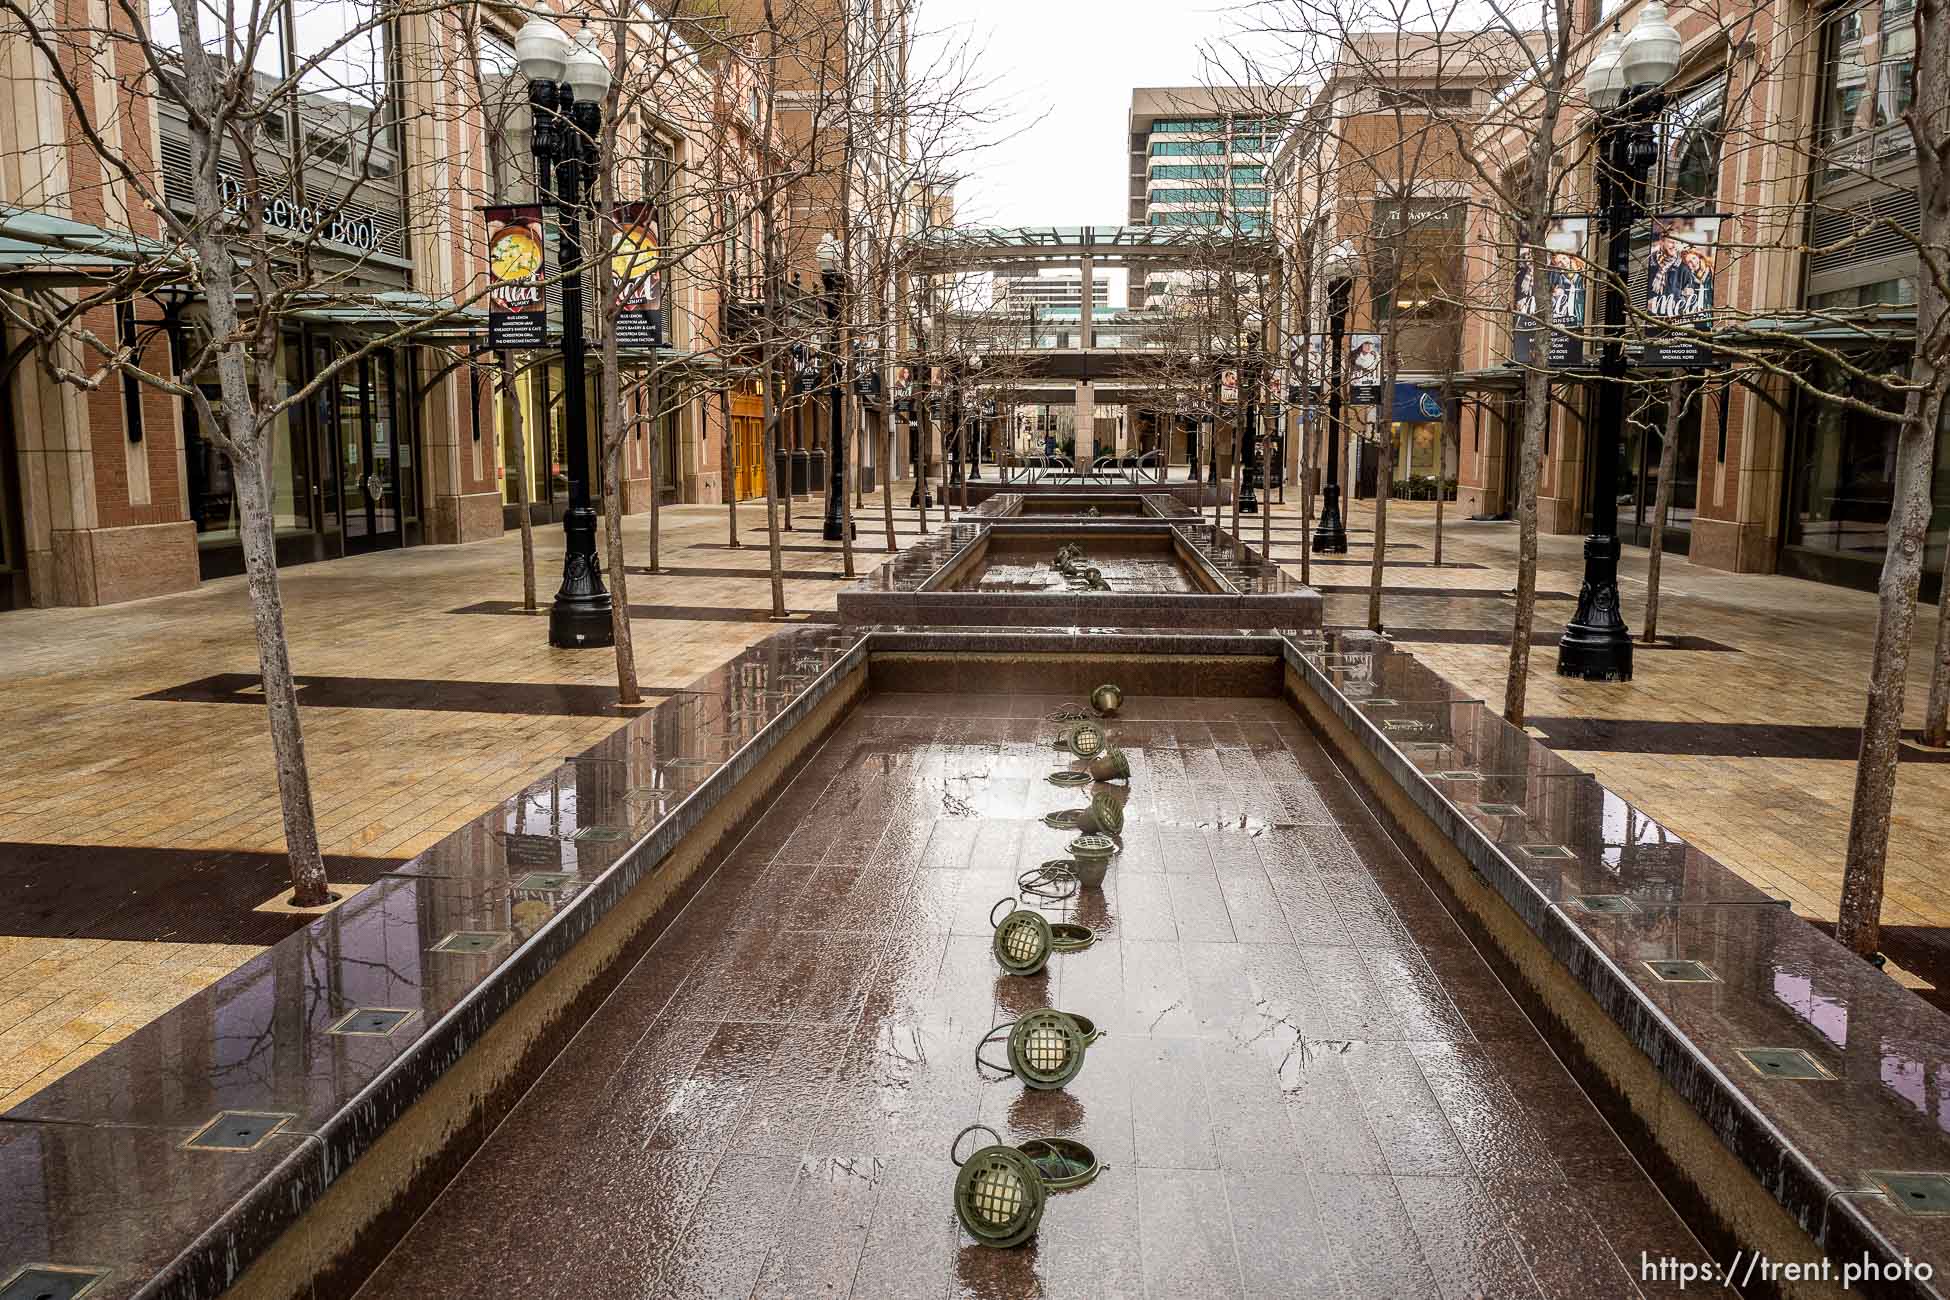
[[1127, 569], [1311, 1083]]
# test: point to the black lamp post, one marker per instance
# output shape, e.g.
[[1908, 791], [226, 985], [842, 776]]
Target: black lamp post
[[1622, 82], [1192, 421], [1250, 361], [566, 85], [832, 279], [1330, 533]]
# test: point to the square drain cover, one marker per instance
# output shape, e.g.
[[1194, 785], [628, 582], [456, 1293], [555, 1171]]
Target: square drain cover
[[1605, 904], [238, 1130], [545, 882], [1381, 702], [1784, 1063], [1677, 971], [472, 941], [1918, 1193], [1500, 809], [599, 833], [1554, 852], [1405, 724], [50, 1282], [1459, 774], [372, 1022]]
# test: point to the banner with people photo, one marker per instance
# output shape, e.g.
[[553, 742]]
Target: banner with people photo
[[1310, 358], [1568, 284], [516, 260], [1678, 295], [636, 262], [1364, 369]]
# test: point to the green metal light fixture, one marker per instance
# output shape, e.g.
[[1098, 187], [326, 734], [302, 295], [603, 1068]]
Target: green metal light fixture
[[1107, 699], [1063, 1163], [1112, 765], [1022, 942], [1104, 816], [1084, 738], [1045, 1047], [1090, 858], [999, 1191], [1025, 938]]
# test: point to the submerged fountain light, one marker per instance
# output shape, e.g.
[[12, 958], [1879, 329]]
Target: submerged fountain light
[[1107, 699]]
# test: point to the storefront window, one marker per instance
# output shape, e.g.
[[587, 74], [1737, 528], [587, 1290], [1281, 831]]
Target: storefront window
[[212, 482], [1640, 452], [1845, 474]]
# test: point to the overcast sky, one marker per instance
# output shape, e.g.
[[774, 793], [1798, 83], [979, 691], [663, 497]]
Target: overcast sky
[[1064, 70]]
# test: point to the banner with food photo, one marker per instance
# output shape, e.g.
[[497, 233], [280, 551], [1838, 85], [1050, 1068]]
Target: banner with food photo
[[1364, 369], [1677, 298], [636, 261], [517, 259]]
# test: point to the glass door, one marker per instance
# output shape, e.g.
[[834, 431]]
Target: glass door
[[358, 421]]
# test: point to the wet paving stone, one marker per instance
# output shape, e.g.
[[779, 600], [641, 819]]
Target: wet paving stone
[[1309, 1084]]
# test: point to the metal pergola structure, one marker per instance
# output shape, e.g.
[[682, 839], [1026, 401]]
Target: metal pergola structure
[[969, 248]]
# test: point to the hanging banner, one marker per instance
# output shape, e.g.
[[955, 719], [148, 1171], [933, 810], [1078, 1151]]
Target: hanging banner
[[636, 260], [1364, 369], [1228, 385], [516, 258], [1568, 285], [1678, 295]]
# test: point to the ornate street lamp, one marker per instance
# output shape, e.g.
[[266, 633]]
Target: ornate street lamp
[[1623, 83], [566, 86], [832, 280], [1330, 534]]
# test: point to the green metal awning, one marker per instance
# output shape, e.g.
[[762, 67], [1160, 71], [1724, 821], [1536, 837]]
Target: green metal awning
[[55, 251], [1872, 330]]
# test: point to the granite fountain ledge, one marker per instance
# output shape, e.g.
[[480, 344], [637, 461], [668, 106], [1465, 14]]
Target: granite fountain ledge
[[935, 583], [1717, 994]]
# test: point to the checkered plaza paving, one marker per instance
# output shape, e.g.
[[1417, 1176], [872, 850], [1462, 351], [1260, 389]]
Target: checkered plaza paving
[[139, 826]]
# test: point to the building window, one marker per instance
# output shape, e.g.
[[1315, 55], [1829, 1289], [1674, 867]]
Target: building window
[[1390, 98], [1186, 172], [1185, 126], [1845, 474], [1693, 132], [1185, 148], [1868, 82], [1248, 174], [1249, 198], [1188, 196]]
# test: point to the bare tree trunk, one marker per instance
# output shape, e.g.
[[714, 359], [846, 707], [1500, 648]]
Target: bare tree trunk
[[1662, 503], [280, 688], [619, 585], [1859, 925], [730, 468], [517, 443], [1536, 410]]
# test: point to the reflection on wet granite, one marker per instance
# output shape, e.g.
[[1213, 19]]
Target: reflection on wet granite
[[446, 939], [1627, 903], [1289, 1014]]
